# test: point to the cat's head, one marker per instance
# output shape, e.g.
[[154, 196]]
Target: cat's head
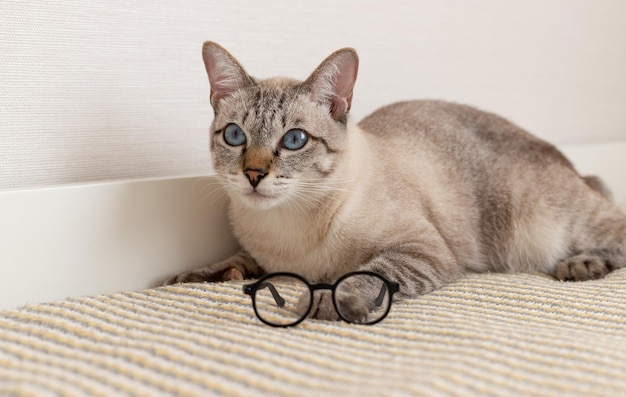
[[278, 141]]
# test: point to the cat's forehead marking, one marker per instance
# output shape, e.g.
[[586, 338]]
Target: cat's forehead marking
[[268, 107]]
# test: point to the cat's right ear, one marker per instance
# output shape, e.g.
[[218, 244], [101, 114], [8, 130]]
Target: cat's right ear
[[226, 74]]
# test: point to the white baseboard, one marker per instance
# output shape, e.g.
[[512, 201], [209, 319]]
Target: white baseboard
[[108, 237]]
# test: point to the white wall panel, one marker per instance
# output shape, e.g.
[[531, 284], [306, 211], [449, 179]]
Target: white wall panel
[[107, 237], [114, 90]]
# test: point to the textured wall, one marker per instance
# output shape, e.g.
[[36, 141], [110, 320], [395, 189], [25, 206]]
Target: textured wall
[[92, 91]]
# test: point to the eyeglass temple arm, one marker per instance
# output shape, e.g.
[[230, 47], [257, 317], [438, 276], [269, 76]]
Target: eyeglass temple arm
[[280, 301], [381, 295], [393, 287]]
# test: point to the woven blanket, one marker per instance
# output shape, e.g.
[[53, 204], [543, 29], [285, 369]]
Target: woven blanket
[[491, 334]]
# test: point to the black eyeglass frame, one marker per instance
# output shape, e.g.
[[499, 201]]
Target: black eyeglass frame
[[251, 289]]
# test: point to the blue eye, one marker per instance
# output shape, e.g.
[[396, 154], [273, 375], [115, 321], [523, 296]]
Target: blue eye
[[234, 135], [295, 139]]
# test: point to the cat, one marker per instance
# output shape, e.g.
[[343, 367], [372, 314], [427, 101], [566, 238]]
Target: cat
[[419, 191]]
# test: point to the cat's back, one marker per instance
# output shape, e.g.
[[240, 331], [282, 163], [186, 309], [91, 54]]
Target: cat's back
[[431, 117], [456, 130]]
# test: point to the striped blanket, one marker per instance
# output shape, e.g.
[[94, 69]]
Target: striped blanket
[[490, 334]]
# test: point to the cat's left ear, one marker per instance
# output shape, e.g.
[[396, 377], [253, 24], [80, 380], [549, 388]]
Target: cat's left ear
[[333, 81]]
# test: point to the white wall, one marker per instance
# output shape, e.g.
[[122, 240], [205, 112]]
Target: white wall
[[117, 90], [92, 90]]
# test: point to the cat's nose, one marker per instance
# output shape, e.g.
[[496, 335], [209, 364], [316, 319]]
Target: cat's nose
[[255, 175]]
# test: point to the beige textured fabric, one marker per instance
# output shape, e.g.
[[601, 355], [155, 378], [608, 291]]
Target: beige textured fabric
[[489, 334]]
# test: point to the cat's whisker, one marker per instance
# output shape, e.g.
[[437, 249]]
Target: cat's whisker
[[326, 189], [214, 189], [318, 196], [209, 191], [323, 189], [331, 181], [314, 201], [296, 206], [206, 187], [204, 181], [214, 196]]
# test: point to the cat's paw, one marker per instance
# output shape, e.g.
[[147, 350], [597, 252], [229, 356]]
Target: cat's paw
[[321, 308], [205, 275], [581, 268], [237, 267], [351, 306]]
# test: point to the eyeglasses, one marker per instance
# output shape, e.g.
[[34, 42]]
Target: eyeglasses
[[286, 299]]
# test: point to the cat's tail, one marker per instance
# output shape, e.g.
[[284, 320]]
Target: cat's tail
[[599, 186]]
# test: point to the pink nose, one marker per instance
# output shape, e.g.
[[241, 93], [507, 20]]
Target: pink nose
[[255, 175]]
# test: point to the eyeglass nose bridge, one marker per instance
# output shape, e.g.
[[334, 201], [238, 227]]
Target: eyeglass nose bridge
[[317, 287]]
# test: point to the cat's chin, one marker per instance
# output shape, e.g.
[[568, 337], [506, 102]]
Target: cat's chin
[[260, 201]]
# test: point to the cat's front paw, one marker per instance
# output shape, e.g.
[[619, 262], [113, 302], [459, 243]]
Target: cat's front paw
[[205, 275], [581, 268], [237, 267], [352, 307]]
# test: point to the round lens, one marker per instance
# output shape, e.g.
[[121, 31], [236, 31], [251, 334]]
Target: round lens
[[362, 298], [282, 300]]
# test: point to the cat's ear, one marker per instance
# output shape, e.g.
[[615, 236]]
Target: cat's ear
[[332, 82], [226, 74]]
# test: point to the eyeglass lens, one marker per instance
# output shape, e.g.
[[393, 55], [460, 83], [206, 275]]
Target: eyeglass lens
[[282, 300], [366, 291]]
